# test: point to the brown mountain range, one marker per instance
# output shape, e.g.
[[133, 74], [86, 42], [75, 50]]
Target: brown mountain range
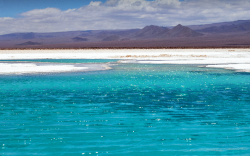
[[79, 39], [112, 38], [244, 26], [29, 43], [151, 31], [182, 31], [229, 34]]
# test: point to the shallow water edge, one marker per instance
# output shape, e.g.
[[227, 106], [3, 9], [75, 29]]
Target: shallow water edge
[[236, 59]]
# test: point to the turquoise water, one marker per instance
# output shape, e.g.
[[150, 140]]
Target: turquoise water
[[133, 109]]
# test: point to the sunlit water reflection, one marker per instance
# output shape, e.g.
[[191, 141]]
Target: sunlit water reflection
[[129, 110]]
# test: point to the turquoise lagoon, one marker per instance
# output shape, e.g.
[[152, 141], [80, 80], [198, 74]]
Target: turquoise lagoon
[[133, 109]]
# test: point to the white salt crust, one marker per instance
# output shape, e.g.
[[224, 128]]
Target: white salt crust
[[17, 68], [236, 59]]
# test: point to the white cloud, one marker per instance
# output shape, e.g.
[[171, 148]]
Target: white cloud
[[42, 12], [122, 14], [111, 2], [95, 3], [6, 18]]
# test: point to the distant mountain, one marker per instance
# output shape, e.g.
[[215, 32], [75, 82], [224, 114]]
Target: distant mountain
[[28, 36], [112, 38], [125, 39], [18, 36], [125, 33], [77, 39], [44, 36], [181, 31], [86, 33], [129, 33], [239, 27], [29, 43], [216, 34], [151, 31], [102, 35], [148, 32], [203, 26]]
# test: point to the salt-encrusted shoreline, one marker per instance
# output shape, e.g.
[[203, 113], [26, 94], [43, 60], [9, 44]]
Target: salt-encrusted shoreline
[[28, 68], [237, 59]]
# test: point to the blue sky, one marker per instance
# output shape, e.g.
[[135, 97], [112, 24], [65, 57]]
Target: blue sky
[[12, 8], [71, 15]]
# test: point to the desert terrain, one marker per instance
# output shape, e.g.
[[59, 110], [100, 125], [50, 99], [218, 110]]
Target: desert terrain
[[218, 35], [235, 59]]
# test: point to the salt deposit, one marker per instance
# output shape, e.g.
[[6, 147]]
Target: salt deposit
[[236, 59]]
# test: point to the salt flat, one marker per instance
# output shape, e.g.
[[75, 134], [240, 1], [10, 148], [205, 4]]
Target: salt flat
[[237, 59], [27, 67], [11, 68]]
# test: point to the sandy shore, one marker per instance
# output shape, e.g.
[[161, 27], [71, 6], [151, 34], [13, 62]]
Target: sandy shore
[[237, 59]]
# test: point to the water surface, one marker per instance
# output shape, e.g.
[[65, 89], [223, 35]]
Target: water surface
[[133, 109]]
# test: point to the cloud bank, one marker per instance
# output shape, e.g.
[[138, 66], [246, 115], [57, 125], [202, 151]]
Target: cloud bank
[[124, 14]]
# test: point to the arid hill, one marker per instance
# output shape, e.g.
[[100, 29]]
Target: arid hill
[[240, 27], [227, 34], [130, 33], [151, 31], [78, 39], [102, 35], [29, 43], [181, 31], [125, 39], [199, 27], [18, 36], [86, 33], [112, 38]]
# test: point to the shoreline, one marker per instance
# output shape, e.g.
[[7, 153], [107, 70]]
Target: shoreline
[[234, 59], [41, 68]]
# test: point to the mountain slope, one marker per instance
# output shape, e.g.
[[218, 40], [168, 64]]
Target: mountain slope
[[18, 36], [29, 43], [239, 27], [160, 32], [151, 31], [78, 39], [112, 38], [181, 31], [199, 27]]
